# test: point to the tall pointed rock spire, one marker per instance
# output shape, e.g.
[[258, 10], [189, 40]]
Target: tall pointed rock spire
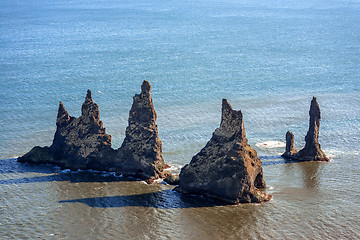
[[312, 150], [81, 140], [232, 124], [142, 110], [141, 151], [90, 110], [62, 116]]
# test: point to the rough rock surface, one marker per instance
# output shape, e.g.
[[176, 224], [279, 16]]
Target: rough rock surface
[[227, 168], [82, 143], [141, 151], [79, 143], [290, 149], [172, 180], [312, 150]]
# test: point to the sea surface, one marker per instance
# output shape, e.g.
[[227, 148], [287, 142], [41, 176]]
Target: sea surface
[[268, 58]]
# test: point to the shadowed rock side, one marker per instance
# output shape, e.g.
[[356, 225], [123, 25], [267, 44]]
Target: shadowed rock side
[[312, 150], [227, 168], [79, 143], [82, 143], [142, 147]]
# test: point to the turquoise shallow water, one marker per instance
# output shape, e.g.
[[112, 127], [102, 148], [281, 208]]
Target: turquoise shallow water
[[267, 58]]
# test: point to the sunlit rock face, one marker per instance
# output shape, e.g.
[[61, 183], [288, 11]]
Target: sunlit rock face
[[227, 168]]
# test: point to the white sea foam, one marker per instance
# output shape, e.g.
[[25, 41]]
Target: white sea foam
[[270, 144], [160, 180], [174, 168], [331, 154]]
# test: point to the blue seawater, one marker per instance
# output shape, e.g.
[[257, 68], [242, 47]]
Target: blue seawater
[[268, 58]]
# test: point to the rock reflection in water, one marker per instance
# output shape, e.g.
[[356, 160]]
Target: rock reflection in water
[[310, 174]]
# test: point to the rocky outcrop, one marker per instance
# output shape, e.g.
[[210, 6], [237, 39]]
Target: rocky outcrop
[[79, 143], [227, 168], [312, 150], [82, 143], [141, 151], [172, 180], [290, 149]]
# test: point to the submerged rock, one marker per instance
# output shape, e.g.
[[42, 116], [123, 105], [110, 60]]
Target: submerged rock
[[312, 150], [172, 180], [82, 143], [227, 168]]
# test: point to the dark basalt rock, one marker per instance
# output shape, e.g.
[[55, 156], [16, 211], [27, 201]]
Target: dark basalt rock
[[227, 168], [141, 151], [82, 143], [79, 143], [312, 150], [172, 180], [290, 149]]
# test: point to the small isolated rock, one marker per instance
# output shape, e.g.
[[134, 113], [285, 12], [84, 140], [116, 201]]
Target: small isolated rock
[[227, 168], [312, 150], [290, 149], [172, 180]]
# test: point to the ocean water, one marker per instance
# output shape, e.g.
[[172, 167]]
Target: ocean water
[[268, 58]]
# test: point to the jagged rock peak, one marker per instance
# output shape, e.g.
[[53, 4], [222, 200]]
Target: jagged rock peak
[[62, 116], [142, 110], [90, 110], [88, 96], [314, 123], [82, 143], [146, 88], [227, 168], [232, 124], [141, 150]]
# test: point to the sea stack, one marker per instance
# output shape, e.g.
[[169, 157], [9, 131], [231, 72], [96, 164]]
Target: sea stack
[[79, 143], [312, 150], [227, 168], [82, 143], [290, 149], [141, 151]]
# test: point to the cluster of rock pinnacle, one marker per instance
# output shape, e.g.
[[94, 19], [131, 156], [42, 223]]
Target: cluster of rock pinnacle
[[82, 143], [226, 169]]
